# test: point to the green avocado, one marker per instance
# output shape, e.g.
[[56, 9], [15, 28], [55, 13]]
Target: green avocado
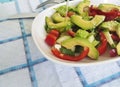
[[85, 24], [59, 26], [108, 7], [58, 18], [110, 25], [72, 42], [62, 9], [109, 38], [118, 30], [118, 48], [82, 5]]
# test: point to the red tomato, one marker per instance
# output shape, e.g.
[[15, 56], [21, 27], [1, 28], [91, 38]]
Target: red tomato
[[71, 33], [55, 32], [50, 39], [70, 13]]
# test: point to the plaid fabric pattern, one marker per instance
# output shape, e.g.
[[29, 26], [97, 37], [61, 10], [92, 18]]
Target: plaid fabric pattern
[[22, 65]]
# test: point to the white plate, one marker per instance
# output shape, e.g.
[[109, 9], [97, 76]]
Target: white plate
[[39, 34]]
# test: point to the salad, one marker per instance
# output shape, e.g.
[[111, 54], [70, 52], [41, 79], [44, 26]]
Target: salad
[[84, 30]]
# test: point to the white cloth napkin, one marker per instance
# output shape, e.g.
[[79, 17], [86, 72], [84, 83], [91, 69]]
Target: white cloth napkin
[[22, 65]]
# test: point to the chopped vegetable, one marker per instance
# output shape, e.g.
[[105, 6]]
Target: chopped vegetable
[[52, 37], [55, 33], [62, 38], [103, 46], [113, 52], [118, 48], [71, 33], [115, 37], [109, 38], [110, 15], [60, 55], [70, 13], [67, 51], [82, 33]]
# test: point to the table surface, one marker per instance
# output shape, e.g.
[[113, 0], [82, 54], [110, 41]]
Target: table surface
[[22, 65]]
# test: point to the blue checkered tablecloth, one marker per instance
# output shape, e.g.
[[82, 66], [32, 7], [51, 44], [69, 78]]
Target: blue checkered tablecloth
[[22, 64]]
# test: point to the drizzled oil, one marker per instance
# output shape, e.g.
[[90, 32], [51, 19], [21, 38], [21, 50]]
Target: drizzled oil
[[67, 5]]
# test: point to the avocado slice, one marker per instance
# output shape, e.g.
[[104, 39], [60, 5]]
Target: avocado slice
[[85, 24], [59, 26], [72, 42], [58, 18], [108, 7], [118, 30], [110, 25], [62, 38], [118, 48], [82, 5]]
